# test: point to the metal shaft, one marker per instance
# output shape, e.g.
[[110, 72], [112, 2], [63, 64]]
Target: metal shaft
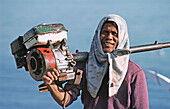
[[149, 47], [83, 56]]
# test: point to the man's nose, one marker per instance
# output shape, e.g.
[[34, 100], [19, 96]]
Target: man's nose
[[110, 36]]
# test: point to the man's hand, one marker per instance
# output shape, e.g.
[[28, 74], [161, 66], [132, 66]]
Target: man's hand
[[59, 95], [50, 77]]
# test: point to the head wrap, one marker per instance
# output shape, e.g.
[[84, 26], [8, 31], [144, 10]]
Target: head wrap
[[100, 62]]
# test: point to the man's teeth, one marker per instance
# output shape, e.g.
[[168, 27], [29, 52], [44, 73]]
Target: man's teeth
[[107, 43]]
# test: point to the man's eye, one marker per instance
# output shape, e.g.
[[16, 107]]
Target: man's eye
[[105, 32], [114, 33]]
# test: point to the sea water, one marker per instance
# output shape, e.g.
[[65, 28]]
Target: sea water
[[148, 20]]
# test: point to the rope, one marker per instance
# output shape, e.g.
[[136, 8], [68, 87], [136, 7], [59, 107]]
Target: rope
[[64, 104]]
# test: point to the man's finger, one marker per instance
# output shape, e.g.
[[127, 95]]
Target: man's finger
[[54, 75], [56, 72], [49, 74], [47, 80]]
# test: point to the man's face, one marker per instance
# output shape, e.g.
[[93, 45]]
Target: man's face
[[109, 37]]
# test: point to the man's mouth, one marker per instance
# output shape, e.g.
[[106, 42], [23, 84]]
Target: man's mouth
[[108, 43]]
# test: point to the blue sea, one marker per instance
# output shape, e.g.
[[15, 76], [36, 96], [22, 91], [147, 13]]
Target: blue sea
[[148, 20]]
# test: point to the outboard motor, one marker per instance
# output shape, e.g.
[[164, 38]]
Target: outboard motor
[[43, 48]]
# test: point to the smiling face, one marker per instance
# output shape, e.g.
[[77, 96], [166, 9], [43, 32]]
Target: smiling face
[[109, 37]]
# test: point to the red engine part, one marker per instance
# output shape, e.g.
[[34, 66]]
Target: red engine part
[[40, 60]]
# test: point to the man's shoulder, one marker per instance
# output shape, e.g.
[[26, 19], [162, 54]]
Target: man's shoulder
[[133, 67]]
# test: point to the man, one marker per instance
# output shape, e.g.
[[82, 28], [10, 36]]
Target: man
[[110, 80]]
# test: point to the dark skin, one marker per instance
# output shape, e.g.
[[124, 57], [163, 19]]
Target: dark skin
[[109, 41], [108, 37], [57, 92]]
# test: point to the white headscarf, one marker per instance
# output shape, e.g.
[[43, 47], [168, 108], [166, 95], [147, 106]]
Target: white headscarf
[[99, 62]]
